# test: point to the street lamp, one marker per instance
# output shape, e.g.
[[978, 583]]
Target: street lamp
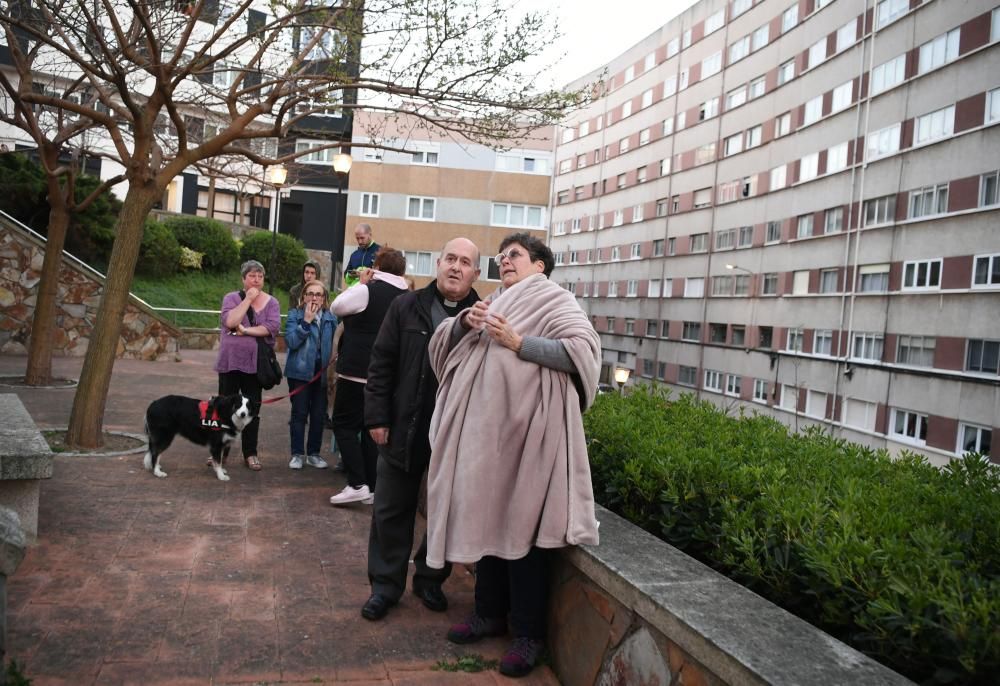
[[621, 377], [277, 176], [341, 166]]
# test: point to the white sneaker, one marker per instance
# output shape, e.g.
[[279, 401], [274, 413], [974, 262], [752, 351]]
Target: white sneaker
[[295, 462], [317, 462], [351, 495]]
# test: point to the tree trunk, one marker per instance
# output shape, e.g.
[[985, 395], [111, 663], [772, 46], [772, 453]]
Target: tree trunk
[[43, 324], [87, 417]]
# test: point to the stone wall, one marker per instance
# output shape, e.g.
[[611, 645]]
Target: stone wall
[[635, 610], [143, 335]]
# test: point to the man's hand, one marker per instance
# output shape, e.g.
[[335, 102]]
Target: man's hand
[[475, 318], [380, 435]]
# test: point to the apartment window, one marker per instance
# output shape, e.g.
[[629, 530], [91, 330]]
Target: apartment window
[[817, 53], [640, 175], [813, 111], [828, 281], [739, 335], [705, 153], [745, 237], [713, 380], [995, 25], [691, 331], [629, 327], [664, 329], [836, 158], [823, 342], [715, 22], [686, 39], [644, 137], [629, 73], [975, 439], [661, 207], [986, 271], [773, 234], [681, 120], [922, 275], [694, 287], [888, 74], [880, 210], [728, 192], [736, 97], [673, 47], [636, 251], [741, 6], [611, 324], [842, 96], [703, 197], [786, 72], [790, 18], [935, 125], [526, 216], [418, 263], [756, 88], [993, 103], [834, 220], [721, 286], [929, 201], [651, 328], [888, 11], [725, 240], [584, 129], [760, 390], [938, 52], [420, 208], [623, 146], [809, 167], [804, 226], [615, 253], [988, 185], [769, 285], [671, 246], [649, 62], [647, 368], [778, 177], [626, 109], [711, 65], [789, 397], [562, 197], [733, 384], [867, 346], [800, 282], [883, 142], [620, 181], [860, 414], [612, 289], [783, 125], [564, 166], [668, 289], [983, 356], [766, 337], [369, 204], [741, 284], [908, 426], [815, 404], [846, 35], [424, 157], [574, 257], [917, 351], [559, 228], [717, 333], [708, 109], [653, 289], [658, 245], [699, 242], [687, 376], [636, 213], [760, 37], [317, 157], [794, 340], [739, 49], [873, 278]]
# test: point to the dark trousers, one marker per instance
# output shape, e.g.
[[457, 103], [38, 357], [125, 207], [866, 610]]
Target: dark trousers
[[308, 405], [360, 456], [390, 540], [231, 383], [519, 587]]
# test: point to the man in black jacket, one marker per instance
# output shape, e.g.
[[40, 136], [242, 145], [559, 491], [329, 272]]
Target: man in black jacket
[[399, 402]]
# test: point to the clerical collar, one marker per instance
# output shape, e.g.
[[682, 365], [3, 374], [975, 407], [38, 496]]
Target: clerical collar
[[447, 304]]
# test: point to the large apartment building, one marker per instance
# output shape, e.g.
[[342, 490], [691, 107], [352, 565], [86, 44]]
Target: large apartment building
[[432, 188], [792, 206]]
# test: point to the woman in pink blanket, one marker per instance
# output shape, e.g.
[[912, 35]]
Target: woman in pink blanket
[[509, 477]]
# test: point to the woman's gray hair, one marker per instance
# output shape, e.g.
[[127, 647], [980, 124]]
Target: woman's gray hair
[[251, 266]]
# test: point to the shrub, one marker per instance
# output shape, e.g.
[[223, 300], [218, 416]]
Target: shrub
[[895, 557], [159, 253], [289, 257], [210, 237]]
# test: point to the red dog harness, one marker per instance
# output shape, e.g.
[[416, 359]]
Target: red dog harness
[[213, 422]]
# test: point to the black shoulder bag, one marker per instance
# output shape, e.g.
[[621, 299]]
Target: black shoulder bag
[[268, 369]]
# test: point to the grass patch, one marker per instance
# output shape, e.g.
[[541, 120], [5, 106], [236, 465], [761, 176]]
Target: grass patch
[[466, 663], [193, 290]]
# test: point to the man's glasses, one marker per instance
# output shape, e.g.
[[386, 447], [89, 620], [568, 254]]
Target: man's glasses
[[511, 255]]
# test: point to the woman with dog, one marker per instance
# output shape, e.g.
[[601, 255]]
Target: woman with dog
[[247, 315], [309, 337], [514, 482]]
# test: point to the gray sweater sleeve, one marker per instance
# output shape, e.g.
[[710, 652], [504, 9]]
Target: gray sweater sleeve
[[547, 352]]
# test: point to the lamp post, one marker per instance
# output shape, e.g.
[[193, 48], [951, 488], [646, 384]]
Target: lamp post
[[621, 377], [277, 175], [341, 166]]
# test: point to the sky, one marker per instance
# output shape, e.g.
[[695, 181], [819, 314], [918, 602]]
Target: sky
[[594, 32]]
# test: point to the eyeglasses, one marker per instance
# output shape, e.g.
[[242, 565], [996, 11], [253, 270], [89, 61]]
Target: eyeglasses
[[315, 295], [511, 255]]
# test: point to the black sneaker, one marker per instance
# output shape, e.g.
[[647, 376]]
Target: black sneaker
[[521, 657], [476, 628]]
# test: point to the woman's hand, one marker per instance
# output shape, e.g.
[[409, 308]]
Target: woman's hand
[[501, 332], [311, 310], [475, 318], [252, 294]]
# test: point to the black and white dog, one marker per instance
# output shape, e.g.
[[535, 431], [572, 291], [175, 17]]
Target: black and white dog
[[214, 423]]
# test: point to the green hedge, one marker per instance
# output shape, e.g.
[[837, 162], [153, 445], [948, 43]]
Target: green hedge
[[289, 255], [159, 252], [210, 237], [896, 557]]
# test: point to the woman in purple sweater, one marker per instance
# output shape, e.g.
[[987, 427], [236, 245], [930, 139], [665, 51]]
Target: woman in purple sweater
[[237, 363]]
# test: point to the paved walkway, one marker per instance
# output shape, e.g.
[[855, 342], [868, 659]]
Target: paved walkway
[[189, 580]]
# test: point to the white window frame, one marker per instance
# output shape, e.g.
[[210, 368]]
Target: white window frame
[[922, 275], [760, 37], [715, 21], [911, 346], [934, 126], [823, 342], [425, 154], [888, 74], [711, 65], [789, 397], [990, 271], [790, 18], [888, 11], [817, 54], [883, 210], [783, 125], [526, 211], [883, 142], [713, 381], [813, 398], [833, 220], [733, 145], [734, 385], [736, 97], [813, 111], [739, 49], [930, 201], [963, 427], [369, 205], [939, 51], [901, 417], [809, 167], [869, 410], [867, 345], [993, 105], [423, 203], [757, 88], [847, 35], [786, 72], [877, 275], [842, 96], [694, 287], [754, 134], [836, 158], [760, 391]]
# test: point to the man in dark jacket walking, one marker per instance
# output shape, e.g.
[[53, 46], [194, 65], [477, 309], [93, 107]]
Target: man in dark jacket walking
[[399, 402]]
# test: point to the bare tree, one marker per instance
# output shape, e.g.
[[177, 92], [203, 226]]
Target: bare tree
[[170, 84]]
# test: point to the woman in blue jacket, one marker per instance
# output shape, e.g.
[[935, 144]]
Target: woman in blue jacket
[[309, 337]]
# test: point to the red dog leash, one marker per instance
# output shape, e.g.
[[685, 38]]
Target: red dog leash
[[299, 389]]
